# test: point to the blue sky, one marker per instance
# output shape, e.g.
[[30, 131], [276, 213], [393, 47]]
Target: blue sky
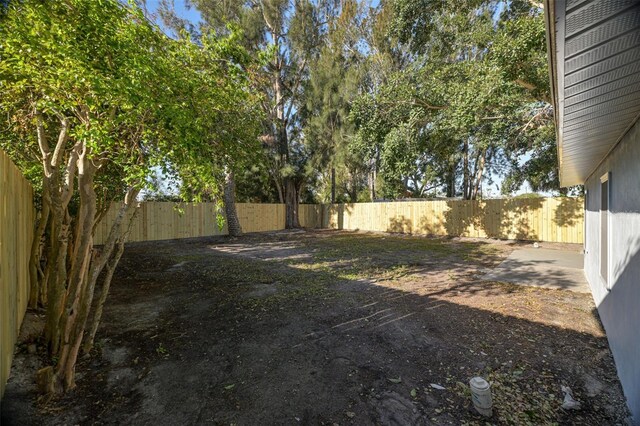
[[184, 12]]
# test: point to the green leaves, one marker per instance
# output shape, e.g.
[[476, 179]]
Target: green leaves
[[139, 99], [467, 101]]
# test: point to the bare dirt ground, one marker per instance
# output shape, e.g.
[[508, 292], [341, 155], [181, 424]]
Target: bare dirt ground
[[328, 328]]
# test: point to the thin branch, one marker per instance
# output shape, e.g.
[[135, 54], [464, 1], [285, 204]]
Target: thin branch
[[295, 88], [43, 144], [70, 172], [62, 140]]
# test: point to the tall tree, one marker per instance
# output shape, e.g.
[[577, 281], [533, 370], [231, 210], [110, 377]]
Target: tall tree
[[334, 82], [290, 31], [95, 98], [460, 107]]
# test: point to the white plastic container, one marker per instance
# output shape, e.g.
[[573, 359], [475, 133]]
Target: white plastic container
[[481, 396]]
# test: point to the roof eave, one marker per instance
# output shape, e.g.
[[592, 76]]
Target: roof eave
[[550, 23]]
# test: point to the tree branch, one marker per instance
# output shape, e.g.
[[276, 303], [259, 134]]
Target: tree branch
[[70, 172], [295, 87], [62, 140], [43, 143]]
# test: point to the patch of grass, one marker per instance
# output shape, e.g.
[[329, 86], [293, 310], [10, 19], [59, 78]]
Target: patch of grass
[[162, 351], [377, 245]]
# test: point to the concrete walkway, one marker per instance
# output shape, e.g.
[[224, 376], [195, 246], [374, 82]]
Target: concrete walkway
[[555, 269]]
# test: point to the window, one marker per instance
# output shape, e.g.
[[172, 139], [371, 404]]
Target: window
[[604, 228]]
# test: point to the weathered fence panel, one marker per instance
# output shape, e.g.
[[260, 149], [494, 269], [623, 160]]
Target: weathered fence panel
[[537, 219], [16, 235], [166, 220]]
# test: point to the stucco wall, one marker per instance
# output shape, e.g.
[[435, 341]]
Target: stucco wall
[[619, 308]]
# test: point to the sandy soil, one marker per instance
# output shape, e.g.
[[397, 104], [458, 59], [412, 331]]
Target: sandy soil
[[327, 328]]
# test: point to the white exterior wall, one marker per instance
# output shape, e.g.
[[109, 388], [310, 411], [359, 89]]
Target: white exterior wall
[[619, 307]]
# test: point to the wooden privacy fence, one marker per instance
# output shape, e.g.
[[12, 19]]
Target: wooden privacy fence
[[539, 219], [16, 234], [536, 219], [166, 220]]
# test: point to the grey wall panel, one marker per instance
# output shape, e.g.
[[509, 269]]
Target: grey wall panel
[[618, 308]]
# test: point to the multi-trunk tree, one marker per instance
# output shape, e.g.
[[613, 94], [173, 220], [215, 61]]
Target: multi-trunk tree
[[94, 99]]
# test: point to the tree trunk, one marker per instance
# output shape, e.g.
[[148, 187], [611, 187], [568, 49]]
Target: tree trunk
[[372, 186], [106, 284], [333, 185], [57, 272], [280, 191], [72, 264], [78, 289], [233, 223], [465, 170], [93, 264], [36, 275], [479, 174], [288, 187], [354, 189], [451, 179], [291, 204]]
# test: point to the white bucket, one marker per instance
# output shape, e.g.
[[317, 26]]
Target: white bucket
[[481, 396]]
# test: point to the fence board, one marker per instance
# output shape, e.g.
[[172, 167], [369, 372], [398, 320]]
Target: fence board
[[16, 234]]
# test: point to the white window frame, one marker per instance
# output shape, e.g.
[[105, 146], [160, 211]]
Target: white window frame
[[605, 178]]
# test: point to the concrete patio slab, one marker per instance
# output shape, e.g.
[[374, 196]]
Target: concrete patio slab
[[538, 267]]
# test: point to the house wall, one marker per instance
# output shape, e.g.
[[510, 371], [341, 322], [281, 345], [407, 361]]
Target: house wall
[[619, 307]]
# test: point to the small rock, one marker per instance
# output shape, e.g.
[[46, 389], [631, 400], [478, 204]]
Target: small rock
[[433, 385], [350, 414], [569, 403]]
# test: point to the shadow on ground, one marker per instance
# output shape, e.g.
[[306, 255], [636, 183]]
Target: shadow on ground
[[326, 328]]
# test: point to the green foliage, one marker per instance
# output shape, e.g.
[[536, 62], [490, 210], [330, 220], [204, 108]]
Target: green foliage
[[141, 100], [413, 97], [333, 84], [467, 99]]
